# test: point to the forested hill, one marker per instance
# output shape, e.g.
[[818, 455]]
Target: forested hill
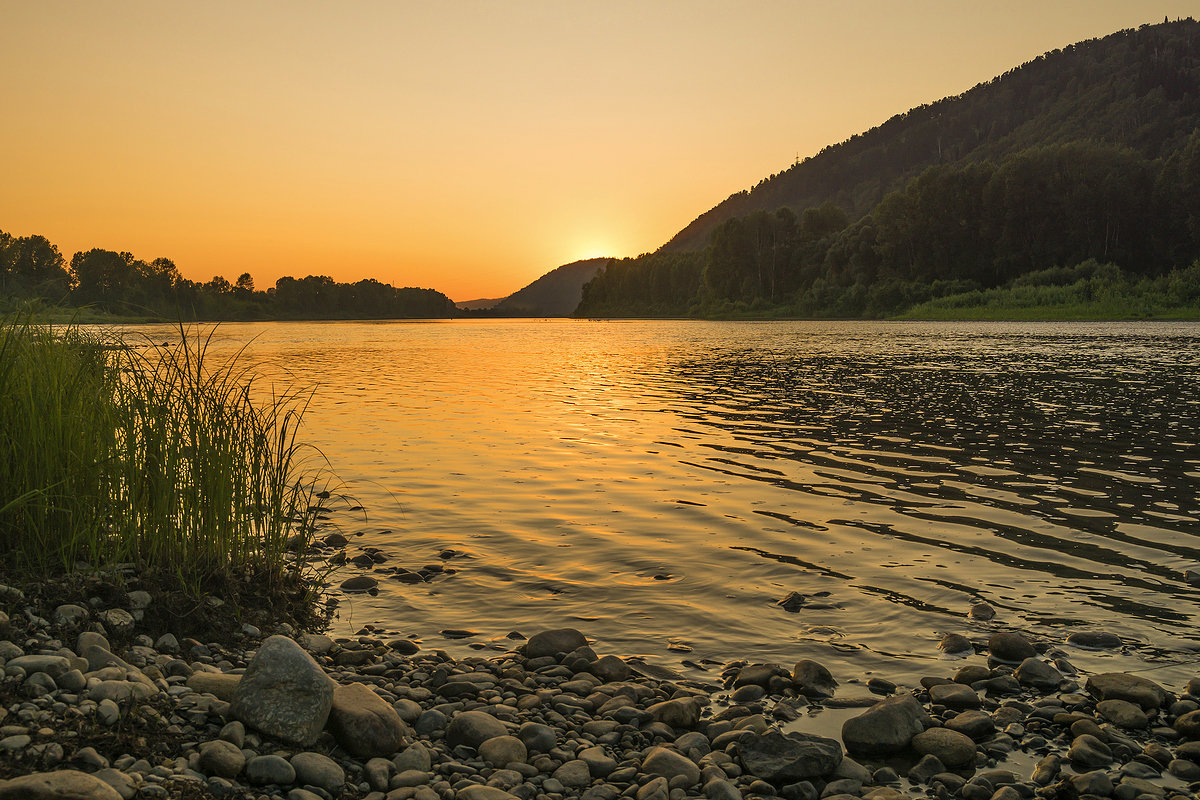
[[1071, 184], [555, 294], [1136, 88]]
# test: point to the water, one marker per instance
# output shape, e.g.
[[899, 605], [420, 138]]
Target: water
[[661, 485]]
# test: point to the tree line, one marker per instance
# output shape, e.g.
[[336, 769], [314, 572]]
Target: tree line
[[953, 229], [32, 268]]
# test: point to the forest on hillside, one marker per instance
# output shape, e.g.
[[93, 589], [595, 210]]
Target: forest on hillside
[[1114, 215], [33, 270]]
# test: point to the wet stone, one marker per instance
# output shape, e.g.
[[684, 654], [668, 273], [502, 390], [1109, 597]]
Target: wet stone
[[954, 695], [1010, 647], [790, 757], [1123, 714], [1094, 640], [954, 749]]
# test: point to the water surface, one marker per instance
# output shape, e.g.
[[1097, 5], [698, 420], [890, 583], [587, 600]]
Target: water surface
[[661, 485]]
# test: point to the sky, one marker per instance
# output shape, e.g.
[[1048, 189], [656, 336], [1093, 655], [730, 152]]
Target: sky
[[467, 146]]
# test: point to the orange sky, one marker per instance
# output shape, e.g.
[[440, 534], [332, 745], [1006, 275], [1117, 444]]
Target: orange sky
[[465, 146]]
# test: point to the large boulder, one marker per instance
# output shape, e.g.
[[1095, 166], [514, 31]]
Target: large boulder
[[1133, 688], [551, 643], [364, 724], [790, 757], [67, 784], [886, 727], [284, 693]]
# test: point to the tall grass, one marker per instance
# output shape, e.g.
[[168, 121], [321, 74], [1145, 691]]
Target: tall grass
[[150, 455]]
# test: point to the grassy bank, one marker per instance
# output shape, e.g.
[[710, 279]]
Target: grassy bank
[[150, 456]]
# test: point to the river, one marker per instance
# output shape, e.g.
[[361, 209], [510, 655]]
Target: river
[[661, 485]]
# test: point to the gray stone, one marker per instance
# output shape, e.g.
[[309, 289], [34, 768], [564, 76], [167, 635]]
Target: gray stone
[[670, 765], [1094, 640], [928, 766], [575, 774], [759, 675], [720, 789], [117, 621], [108, 712], [70, 614], [537, 738], [67, 784], [955, 696], [500, 751], [886, 727], [284, 693], [1120, 686], [954, 643], [315, 769], [610, 669], [473, 728], [121, 691], [1088, 751], [1123, 714], [221, 758], [126, 786], [415, 756], [813, 680], [220, 685], [599, 763], [1038, 674], [982, 612], [480, 792], [553, 642], [72, 681], [955, 750], [1011, 647], [976, 724], [270, 769], [681, 713], [1096, 783], [363, 723], [1188, 725], [778, 757], [51, 665]]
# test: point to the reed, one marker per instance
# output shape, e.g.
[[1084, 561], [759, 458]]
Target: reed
[[149, 455]]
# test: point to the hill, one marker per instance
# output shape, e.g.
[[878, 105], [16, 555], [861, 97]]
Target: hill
[[555, 294], [1136, 88], [1071, 179]]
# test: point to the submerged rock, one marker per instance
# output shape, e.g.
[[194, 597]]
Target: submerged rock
[[1094, 640], [1010, 647]]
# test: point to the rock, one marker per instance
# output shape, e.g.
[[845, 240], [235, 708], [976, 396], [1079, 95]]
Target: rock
[[982, 612], [121, 691], [416, 757], [610, 669], [500, 751], [315, 769], [1188, 725], [117, 621], [759, 675], [954, 695], [536, 737], [599, 763], [886, 727], [1037, 674], [683, 713], [271, 769], [925, 768], [221, 685], [51, 665], [284, 693], [553, 642], [473, 728], [1120, 686], [791, 757], [976, 724], [70, 615], [221, 758], [1095, 784], [359, 583], [1094, 640], [955, 643], [67, 784], [669, 764], [1010, 647], [955, 750], [363, 723], [125, 785], [108, 712], [480, 792], [575, 774], [813, 680], [1089, 752], [1123, 714]]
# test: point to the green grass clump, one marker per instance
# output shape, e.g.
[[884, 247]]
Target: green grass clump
[[148, 455]]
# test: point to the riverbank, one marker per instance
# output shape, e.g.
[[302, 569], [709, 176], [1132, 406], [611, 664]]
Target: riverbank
[[89, 698]]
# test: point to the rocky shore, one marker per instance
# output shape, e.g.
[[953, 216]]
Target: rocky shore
[[91, 707]]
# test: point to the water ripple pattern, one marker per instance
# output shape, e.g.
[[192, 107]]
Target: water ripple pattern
[[663, 484]]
